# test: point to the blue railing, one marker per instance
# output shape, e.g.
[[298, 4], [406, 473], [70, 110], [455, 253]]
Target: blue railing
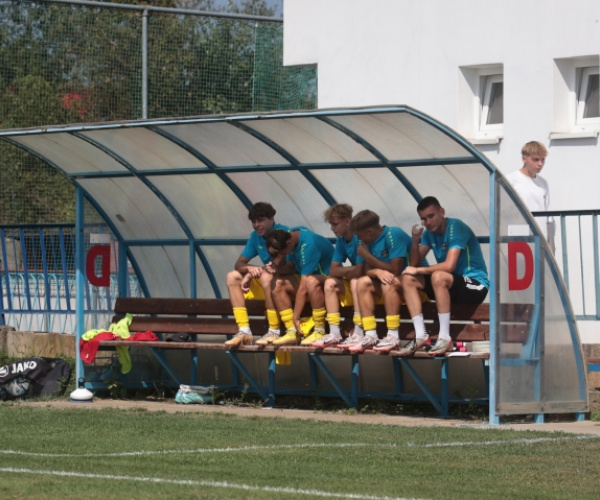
[[577, 255], [37, 273], [38, 280]]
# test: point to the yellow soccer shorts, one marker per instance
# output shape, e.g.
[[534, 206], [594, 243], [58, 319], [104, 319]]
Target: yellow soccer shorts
[[256, 291], [346, 298]]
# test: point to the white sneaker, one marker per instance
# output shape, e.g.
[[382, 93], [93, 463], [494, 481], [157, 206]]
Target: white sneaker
[[441, 347], [367, 342], [329, 340], [350, 341], [414, 345], [389, 343]]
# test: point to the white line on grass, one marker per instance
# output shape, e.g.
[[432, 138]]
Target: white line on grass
[[510, 441], [298, 446], [198, 450], [188, 482]]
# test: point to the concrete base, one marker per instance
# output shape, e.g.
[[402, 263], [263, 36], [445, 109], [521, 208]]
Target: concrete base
[[26, 344]]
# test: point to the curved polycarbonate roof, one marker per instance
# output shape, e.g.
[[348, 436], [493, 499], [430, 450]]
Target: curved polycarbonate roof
[[164, 185], [176, 195]]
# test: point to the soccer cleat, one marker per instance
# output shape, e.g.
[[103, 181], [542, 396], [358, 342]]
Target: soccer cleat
[[389, 343], [367, 342], [239, 338], [267, 338], [350, 341], [291, 337], [441, 347], [306, 325], [413, 346], [329, 340], [313, 337]]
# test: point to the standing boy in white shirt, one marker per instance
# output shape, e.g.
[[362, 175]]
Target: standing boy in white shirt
[[533, 188]]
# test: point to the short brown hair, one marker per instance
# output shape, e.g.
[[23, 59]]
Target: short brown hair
[[261, 209], [534, 148], [341, 211], [364, 219], [427, 202], [276, 241]]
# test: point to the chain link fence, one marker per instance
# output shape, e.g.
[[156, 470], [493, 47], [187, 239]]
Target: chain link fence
[[78, 61]]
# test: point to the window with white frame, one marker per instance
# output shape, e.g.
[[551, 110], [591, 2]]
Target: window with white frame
[[588, 101], [481, 103], [492, 109], [576, 100]]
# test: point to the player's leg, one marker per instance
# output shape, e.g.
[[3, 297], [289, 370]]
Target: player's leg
[[240, 312], [369, 289], [392, 298], [315, 287], [273, 319], [284, 289], [413, 289]]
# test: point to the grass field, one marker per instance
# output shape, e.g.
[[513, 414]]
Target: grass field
[[61, 453]]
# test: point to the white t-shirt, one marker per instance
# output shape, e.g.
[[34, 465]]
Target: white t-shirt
[[535, 192]]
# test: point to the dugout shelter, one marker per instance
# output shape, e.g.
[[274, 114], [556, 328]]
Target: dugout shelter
[[176, 192]]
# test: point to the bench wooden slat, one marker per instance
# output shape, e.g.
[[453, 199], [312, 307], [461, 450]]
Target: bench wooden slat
[[203, 326], [222, 307], [218, 326], [216, 307], [258, 349], [154, 305]]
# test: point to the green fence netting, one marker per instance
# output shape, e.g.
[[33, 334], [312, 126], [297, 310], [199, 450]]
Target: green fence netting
[[67, 63]]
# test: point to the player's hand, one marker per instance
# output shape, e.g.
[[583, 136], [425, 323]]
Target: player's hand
[[270, 268], [386, 277], [417, 231], [297, 325], [410, 270], [245, 285], [255, 271], [362, 250]]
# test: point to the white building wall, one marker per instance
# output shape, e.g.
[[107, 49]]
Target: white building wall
[[411, 52]]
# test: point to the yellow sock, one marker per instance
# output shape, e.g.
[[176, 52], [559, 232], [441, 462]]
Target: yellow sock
[[334, 319], [393, 322], [319, 318], [369, 323], [241, 317], [287, 316], [357, 319], [273, 319]]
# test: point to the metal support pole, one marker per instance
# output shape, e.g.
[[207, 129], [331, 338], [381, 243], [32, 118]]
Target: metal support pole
[[79, 278], [145, 64]]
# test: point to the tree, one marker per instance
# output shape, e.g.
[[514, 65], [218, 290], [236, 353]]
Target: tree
[[67, 63]]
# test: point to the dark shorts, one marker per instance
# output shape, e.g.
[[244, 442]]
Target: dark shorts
[[464, 290]]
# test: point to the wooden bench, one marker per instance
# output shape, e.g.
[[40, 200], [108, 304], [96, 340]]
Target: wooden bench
[[202, 318]]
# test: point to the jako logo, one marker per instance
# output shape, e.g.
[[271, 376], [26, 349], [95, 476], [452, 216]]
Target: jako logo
[[18, 368]]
